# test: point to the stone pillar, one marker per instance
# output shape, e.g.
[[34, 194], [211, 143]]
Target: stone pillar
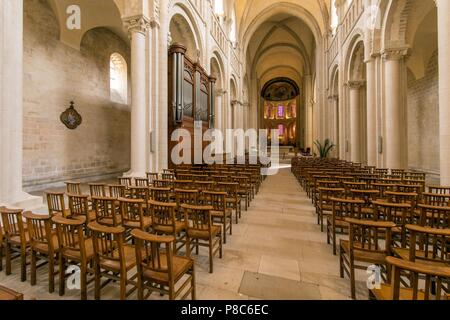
[[11, 107], [395, 139], [137, 28], [444, 88], [371, 114], [355, 120], [336, 124], [219, 93]]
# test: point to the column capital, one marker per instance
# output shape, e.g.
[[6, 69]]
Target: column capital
[[139, 24], [395, 53], [356, 84], [220, 92]]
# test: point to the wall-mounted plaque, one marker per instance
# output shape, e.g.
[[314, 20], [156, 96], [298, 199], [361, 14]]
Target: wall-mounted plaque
[[71, 118]]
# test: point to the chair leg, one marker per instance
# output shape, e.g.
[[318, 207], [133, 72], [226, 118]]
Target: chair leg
[[1, 256], [33, 268], [23, 265], [140, 286], [123, 285], [352, 280], [220, 248], [83, 281], [8, 258], [341, 263], [97, 281], [62, 275], [193, 292], [211, 267], [225, 230], [333, 235], [51, 273]]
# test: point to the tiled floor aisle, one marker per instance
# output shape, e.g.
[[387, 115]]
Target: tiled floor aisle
[[276, 252]]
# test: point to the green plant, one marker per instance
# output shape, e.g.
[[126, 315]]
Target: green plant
[[325, 148]]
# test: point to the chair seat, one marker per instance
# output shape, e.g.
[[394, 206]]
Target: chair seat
[[15, 240], [204, 234], [326, 207], [220, 214], [420, 258], [76, 255], [109, 221], [179, 227], [43, 247], [385, 293], [364, 256], [180, 266], [146, 223], [114, 265], [338, 223]]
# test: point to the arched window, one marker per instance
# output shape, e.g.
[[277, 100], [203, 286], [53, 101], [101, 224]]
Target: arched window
[[118, 77], [218, 7], [334, 16], [233, 30]]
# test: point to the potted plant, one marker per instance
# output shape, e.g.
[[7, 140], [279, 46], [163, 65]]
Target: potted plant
[[325, 148]]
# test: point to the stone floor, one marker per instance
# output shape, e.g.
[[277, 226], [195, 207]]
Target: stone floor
[[276, 252]]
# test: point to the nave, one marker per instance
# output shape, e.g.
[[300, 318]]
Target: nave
[[276, 252]]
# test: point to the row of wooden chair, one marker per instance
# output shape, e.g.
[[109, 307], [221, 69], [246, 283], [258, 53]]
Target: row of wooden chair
[[405, 233]]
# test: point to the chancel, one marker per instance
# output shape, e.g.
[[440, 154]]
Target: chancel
[[327, 123]]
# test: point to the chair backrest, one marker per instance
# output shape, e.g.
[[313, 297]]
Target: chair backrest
[[366, 195], [125, 181], [197, 218], [204, 185], [142, 193], [12, 220], [152, 177], [435, 199], [108, 241], [160, 194], [200, 177], [97, 189], [416, 270], [231, 188], [55, 203], [215, 199], [132, 211], [184, 184], [185, 196], [163, 214], [326, 195], [439, 189], [117, 191], [71, 235], [429, 245], [73, 187], [163, 183], [184, 176], [343, 208], [141, 182], [78, 205], [107, 210], [402, 197], [154, 254], [168, 176], [40, 230], [370, 236], [434, 216]]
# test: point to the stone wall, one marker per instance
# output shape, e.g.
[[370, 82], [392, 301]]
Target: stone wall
[[55, 74], [423, 119]]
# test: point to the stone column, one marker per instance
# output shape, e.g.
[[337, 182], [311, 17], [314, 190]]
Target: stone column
[[444, 88], [395, 121], [371, 114], [336, 124], [219, 108], [355, 120], [11, 107], [137, 28]]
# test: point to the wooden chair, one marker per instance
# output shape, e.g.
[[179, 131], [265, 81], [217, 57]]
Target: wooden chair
[[220, 212], [133, 214], [7, 294], [233, 200], [439, 189], [395, 290], [1, 248], [43, 242], [399, 213], [141, 182], [117, 191], [16, 239], [341, 209], [97, 189], [324, 203], [244, 190], [73, 187], [140, 193], [73, 247], [151, 177], [126, 181], [113, 259], [164, 222], [184, 184], [369, 243], [107, 211], [163, 183], [56, 204], [160, 194], [204, 185], [159, 269], [168, 176], [183, 196], [201, 231], [434, 199], [79, 206], [434, 216]]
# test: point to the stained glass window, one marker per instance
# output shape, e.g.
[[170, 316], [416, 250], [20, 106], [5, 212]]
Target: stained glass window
[[280, 113]]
